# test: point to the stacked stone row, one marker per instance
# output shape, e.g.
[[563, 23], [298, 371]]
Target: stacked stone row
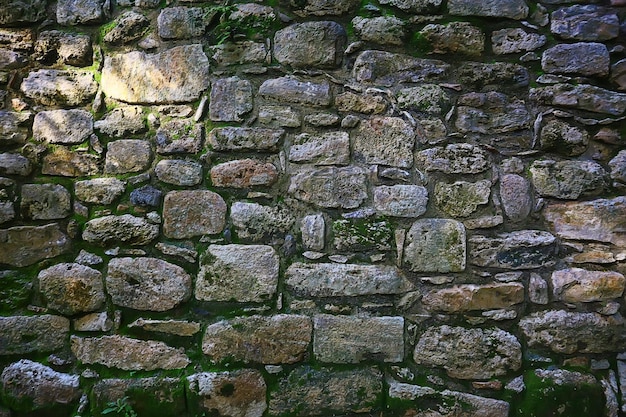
[[402, 207]]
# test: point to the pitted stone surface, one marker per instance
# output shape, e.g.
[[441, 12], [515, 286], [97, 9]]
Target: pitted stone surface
[[193, 213], [26, 334], [59, 88], [310, 44], [523, 249], [26, 245], [72, 288], [384, 141], [512, 9], [114, 230], [436, 245], [63, 126], [330, 186]]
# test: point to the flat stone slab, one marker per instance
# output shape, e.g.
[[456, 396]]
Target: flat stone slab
[[59, 88], [581, 96], [292, 90], [566, 59], [569, 179], [26, 334], [26, 245], [523, 249], [310, 44], [385, 141], [63, 126], [330, 186], [124, 229], [386, 68], [178, 75], [468, 297], [245, 139], [576, 285], [587, 22], [401, 200], [512, 9]]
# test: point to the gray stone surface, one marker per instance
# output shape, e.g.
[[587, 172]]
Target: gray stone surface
[[512, 9], [491, 113], [177, 75], [127, 155], [129, 26], [515, 197], [330, 186], [328, 148], [323, 7], [278, 339], [14, 164], [52, 87], [385, 68], [337, 280], [147, 284], [515, 40], [581, 96], [418, 6], [241, 273], [462, 198], [244, 173], [193, 213], [385, 141], [245, 139], [81, 12], [617, 165], [350, 339], [462, 158], [99, 190], [71, 288], [179, 136], [19, 11], [27, 334], [568, 179], [428, 98], [182, 22], [584, 58], [585, 23], [181, 328], [384, 30], [14, 127], [401, 200], [564, 138], [435, 245], [282, 116], [121, 121], [455, 37], [68, 127], [489, 75], [26, 245], [66, 163], [292, 90], [125, 229], [469, 353], [257, 222], [313, 231], [310, 44], [45, 202], [231, 99], [523, 249], [55, 46], [179, 172]]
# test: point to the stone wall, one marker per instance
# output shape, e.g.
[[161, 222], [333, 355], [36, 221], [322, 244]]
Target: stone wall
[[312, 208]]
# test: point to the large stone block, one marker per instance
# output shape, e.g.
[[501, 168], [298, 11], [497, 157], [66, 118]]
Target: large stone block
[[491, 113], [384, 141], [435, 245], [310, 44], [51, 87], [27, 334], [462, 198], [292, 90], [568, 59], [585, 23], [63, 126], [330, 187], [380, 67], [127, 155], [71, 288], [45, 202], [244, 173], [256, 222], [401, 200], [568, 179], [193, 213], [20, 11], [468, 297], [124, 229], [245, 139], [575, 285], [462, 158], [328, 148], [26, 245], [512, 9], [523, 249], [231, 99], [581, 96]]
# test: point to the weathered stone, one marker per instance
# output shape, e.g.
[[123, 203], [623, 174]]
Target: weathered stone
[[122, 121], [237, 53], [575, 285], [310, 44], [568, 179], [179, 136], [7, 211], [243, 139], [146, 196], [51, 87], [256, 222], [26, 245], [330, 186], [435, 245], [596, 220], [193, 213], [401, 200], [29, 385], [45, 202], [428, 98], [512, 9], [26, 334], [515, 40], [344, 280], [63, 126], [94, 322], [461, 198], [124, 229], [278, 339], [569, 332], [101, 191], [127, 155], [313, 230], [325, 391], [231, 99], [75, 12], [54, 46], [384, 140], [323, 7], [14, 127], [127, 354], [19, 11], [462, 158], [72, 288], [350, 339], [523, 249], [472, 405], [417, 6], [538, 289], [66, 163], [362, 234], [577, 58], [179, 172], [360, 103], [486, 75], [585, 23], [559, 136], [385, 30], [11, 60], [147, 284], [16, 39], [329, 148], [183, 22], [469, 353], [283, 116], [515, 197], [243, 273], [177, 75], [14, 164], [470, 297], [244, 173], [380, 67], [240, 393], [581, 96], [618, 167], [618, 74], [491, 113], [129, 26], [174, 327], [290, 89], [455, 37]]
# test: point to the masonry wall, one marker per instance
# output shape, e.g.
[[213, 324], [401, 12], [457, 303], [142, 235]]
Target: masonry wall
[[312, 208]]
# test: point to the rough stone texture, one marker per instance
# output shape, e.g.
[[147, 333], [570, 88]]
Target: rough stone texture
[[435, 245], [193, 213], [26, 334], [385, 141], [310, 44], [515, 40], [461, 198], [113, 230], [523, 249], [283, 116], [26, 245], [99, 190], [122, 121], [147, 284], [576, 285], [57, 46], [324, 391], [385, 68], [67, 163], [240, 393], [361, 235], [577, 58], [59, 88], [428, 98], [512, 9], [456, 37], [174, 327], [360, 103], [177, 75], [128, 354], [329, 148], [245, 139], [454, 159], [129, 26], [72, 288], [515, 196], [581, 96], [127, 155], [470, 297], [313, 230], [63, 126], [469, 353], [350, 339], [418, 6], [330, 186], [401, 200], [292, 90], [36, 387], [562, 137], [585, 23], [278, 339], [179, 136], [323, 7], [256, 222], [243, 273], [14, 11], [244, 173], [231, 99], [570, 332], [14, 164], [568, 179], [14, 127], [182, 22], [81, 12], [45, 201], [382, 30], [179, 172], [491, 113]]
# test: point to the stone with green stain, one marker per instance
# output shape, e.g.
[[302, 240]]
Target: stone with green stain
[[359, 235], [435, 245], [427, 98], [26, 334], [462, 198]]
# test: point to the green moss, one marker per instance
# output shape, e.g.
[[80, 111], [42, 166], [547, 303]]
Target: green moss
[[15, 290], [419, 44]]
